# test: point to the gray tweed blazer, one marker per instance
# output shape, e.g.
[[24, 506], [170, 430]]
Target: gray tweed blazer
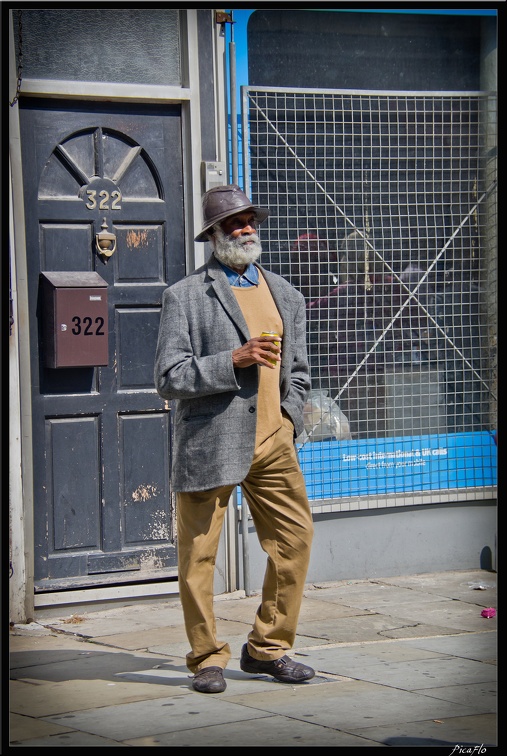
[[215, 404]]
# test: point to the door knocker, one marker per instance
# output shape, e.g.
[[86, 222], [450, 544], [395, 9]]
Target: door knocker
[[105, 242]]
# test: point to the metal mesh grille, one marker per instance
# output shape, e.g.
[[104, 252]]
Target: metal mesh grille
[[381, 214]]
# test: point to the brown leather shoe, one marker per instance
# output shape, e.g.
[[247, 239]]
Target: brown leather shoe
[[209, 680], [285, 669]]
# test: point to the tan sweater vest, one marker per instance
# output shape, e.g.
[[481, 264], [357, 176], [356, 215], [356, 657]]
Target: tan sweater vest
[[261, 314]]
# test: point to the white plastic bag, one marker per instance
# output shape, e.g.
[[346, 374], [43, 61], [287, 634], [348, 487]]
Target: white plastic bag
[[323, 419]]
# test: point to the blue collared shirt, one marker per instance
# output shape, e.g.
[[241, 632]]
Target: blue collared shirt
[[249, 278]]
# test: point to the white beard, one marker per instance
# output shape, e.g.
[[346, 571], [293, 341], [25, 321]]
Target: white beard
[[235, 251]]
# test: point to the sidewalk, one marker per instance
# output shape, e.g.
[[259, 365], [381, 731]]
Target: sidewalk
[[400, 661]]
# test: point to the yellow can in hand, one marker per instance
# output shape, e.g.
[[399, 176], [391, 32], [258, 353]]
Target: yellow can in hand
[[272, 333]]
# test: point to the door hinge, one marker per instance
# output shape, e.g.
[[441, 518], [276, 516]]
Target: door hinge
[[221, 17]]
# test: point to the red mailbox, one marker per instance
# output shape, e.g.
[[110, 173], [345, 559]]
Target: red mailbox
[[74, 316]]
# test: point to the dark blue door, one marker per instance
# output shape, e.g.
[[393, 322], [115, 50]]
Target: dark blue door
[[101, 435]]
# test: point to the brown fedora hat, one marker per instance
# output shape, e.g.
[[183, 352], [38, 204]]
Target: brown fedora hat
[[221, 202]]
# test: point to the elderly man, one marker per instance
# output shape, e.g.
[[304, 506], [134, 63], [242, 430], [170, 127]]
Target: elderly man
[[239, 407]]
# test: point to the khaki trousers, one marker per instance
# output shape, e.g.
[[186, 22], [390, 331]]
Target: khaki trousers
[[276, 494]]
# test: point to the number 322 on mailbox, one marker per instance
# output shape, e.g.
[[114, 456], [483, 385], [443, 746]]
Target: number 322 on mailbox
[[74, 312]]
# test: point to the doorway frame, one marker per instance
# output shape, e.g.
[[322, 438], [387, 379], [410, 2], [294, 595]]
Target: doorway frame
[[21, 500]]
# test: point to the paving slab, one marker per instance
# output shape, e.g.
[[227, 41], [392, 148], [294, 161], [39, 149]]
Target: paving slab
[[481, 598], [306, 641], [409, 629], [460, 585], [22, 727], [372, 595], [39, 699], [69, 739], [452, 584], [241, 610], [158, 637], [96, 666], [369, 627], [276, 730], [312, 608], [161, 636], [426, 607], [352, 704], [427, 673], [89, 626], [467, 731], [352, 660], [392, 664], [30, 630], [52, 650], [148, 718], [141, 615], [481, 697], [455, 615], [479, 646]]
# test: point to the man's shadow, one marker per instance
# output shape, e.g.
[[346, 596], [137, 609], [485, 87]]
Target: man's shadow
[[91, 664]]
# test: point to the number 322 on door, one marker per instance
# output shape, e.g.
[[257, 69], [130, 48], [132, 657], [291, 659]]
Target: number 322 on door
[[104, 196]]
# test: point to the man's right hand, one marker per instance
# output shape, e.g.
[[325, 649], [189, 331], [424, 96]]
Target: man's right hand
[[257, 351]]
